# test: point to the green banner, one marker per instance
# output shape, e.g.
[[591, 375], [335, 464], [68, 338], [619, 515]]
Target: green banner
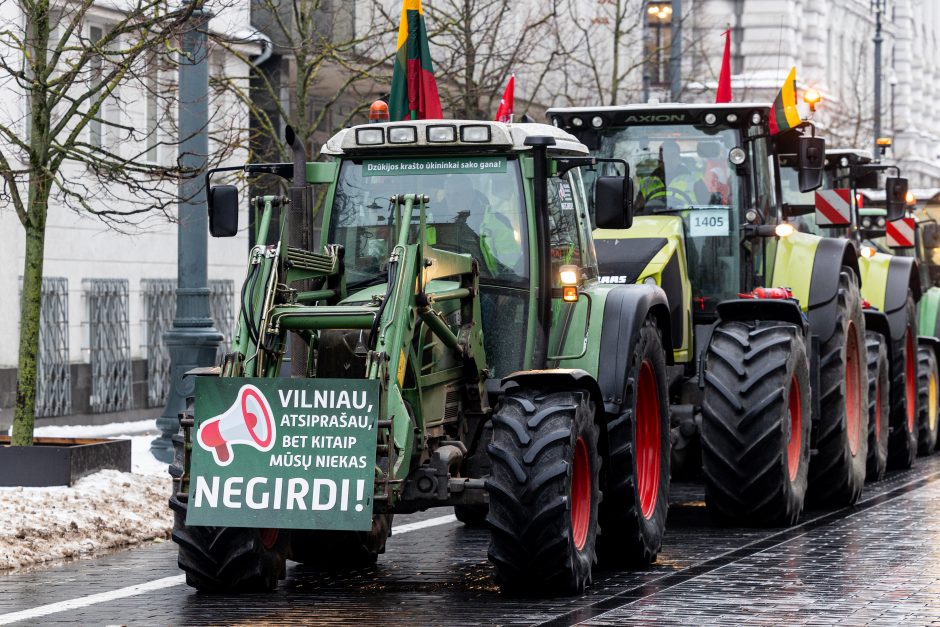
[[284, 453], [443, 165]]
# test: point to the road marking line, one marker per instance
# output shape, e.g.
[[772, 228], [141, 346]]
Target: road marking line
[[101, 597], [166, 582], [424, 524]]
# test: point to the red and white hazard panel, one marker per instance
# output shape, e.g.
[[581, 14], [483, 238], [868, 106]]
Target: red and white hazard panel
[[900, 233], [834, 207]]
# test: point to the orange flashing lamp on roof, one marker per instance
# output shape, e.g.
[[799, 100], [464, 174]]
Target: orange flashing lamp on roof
[[378, 112]]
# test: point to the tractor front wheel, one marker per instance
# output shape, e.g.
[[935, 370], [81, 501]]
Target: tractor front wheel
[[756, 423], [543, 490], [837, 470], [878, 386], [225, 559], [926, 401], [636, 492], [902, 441]]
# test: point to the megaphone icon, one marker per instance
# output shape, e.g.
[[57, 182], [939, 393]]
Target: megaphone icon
[[247, 421]]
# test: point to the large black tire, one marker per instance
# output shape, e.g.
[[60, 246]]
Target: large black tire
[[341, 550], [837, 470], [926, 400], [902, 441], [878, 386], [544, 490], [636, 481], [756, 418], [225, 559]]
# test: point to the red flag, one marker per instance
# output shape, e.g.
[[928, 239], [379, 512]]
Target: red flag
[[504, 112], [724, 78]]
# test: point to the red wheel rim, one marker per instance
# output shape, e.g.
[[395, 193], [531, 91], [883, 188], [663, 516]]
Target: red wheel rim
[[910, 372], [580, 494], [852, 391], [795, 444], [648, 442], [268, 537]]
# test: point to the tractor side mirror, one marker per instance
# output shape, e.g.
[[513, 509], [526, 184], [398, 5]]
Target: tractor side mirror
[[930, 232], [895, 196], [223, 210], [812, 155], [613, 202]]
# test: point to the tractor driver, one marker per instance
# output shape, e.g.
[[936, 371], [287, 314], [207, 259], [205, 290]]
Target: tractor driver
[[670, 184], [500, 235]]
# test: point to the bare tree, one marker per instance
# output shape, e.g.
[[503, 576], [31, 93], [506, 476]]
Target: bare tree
[[74, 142], [478, 44], [848, 116], [325, 64]]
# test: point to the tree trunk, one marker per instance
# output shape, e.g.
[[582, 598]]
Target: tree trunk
[[24, 414]]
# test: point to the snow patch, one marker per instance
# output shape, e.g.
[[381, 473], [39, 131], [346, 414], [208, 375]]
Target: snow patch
[[106, 510]]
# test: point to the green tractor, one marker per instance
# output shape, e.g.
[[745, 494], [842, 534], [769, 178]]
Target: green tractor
[[451, 346], [874, 219], [768, 331]]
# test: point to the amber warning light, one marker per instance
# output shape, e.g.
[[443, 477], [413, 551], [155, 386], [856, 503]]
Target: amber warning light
[[378, 112]]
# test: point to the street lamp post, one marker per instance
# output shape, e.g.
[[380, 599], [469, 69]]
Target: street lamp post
[[878, 6], [193, 340]]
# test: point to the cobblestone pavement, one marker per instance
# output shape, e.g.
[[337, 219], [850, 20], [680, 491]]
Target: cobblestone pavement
[[876, 563]]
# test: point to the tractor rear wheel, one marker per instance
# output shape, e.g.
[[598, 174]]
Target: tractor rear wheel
[[225, 559], [544, 490], [636, 489], [837, 470], [878, 382], [756, 423], [341, 550], [902, 441], [926, 400]]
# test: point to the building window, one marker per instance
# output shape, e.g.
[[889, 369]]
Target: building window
[[658, 42]]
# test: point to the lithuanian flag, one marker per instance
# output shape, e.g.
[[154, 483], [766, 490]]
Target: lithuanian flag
[[783, 112], [414, 91]]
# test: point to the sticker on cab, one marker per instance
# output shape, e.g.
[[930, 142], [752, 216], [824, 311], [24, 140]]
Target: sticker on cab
[[709, 223]]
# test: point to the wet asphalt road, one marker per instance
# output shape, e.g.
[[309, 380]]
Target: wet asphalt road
[[876, 563]]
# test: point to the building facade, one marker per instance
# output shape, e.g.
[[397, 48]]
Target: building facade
[[108, 293]]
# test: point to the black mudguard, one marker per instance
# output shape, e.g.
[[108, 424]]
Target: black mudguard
[[626, 307], [752, 309], [877, 321], [831, 256], [903, 277]]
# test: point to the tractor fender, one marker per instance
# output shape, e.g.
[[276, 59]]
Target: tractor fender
[[625, 310], [903, 278], [556, 378], [751, 309], [877, 322], [932, 343], [831, 256]]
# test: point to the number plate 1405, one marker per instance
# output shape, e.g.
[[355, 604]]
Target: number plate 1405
[[708, 222]]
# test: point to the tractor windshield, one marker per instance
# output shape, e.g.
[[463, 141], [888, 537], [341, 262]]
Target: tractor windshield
[[684, 170], [476, 207]]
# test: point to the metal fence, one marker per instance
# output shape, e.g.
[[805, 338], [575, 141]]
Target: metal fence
[[159, 296], [54, 380], [109, 344], [159, 307]]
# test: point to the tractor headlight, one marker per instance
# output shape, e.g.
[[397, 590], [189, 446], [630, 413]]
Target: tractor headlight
[[866, 223], [475, 134], [737, 156], [577, 122], [369, 136], [568, 275], [784, 229], [402, 135], [441, 134], [881, 222]]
